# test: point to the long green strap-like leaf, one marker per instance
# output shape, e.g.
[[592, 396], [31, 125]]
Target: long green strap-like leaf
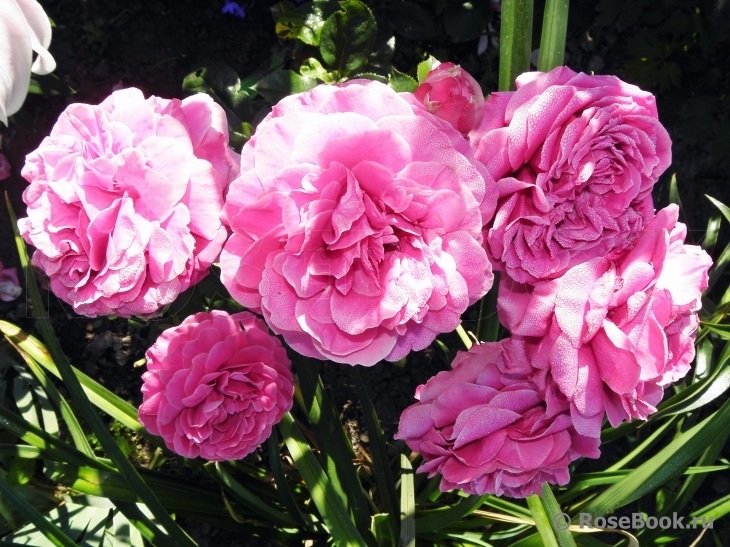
[[668, 463], [542, 521], [564, 537], [436, 519], [85, 407], [515, 41], [554, 30], [407, 505], [334, 445], [378, 449], [50, 530], [328, 503]]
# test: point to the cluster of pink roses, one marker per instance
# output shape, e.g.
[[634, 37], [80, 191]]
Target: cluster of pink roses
[[361, 223], [599, 293]]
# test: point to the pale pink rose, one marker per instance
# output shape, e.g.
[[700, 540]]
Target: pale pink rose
[[575, 158], [125, 198], [357, 224], [613, 333], [215, 386], [487, 428], [453, 95], [9, 284]]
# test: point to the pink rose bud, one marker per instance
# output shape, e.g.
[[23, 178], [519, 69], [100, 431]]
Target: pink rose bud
[[216, 385], [4, 167], [125, 199], [487, 427], [452, 94], [9, 286]]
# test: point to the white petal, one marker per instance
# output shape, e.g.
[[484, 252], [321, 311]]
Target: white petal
[[15, 58]]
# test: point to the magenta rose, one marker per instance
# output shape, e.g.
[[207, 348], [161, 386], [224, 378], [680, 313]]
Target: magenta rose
[[487, 428], [575, 158], [124, 201], [215, 386], [613, 333], [357, 224], [452, 94], [9, 284]]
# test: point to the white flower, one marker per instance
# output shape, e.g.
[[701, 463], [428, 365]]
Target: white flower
[[24, 28]]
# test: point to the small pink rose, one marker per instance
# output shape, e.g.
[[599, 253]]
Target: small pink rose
[[452, 94], [216, 385], [488, 428], [575, 158]]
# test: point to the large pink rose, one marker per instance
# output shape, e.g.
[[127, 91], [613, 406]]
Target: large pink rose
[[215, 386], [575, 158], [487, 428], [357, 224], [453, 95], [613, 333], [125, 198]]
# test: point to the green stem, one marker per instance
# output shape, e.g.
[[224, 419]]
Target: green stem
[[554, 30], [515, 41]]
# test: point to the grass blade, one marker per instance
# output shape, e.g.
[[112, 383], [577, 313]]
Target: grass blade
[[407, 505], [328, 502], [550, 504], [668, 463], [49, 530], [542, 521], [378, 449], [85, 407]]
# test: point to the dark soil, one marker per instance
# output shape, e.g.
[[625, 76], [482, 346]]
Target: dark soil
[[102, 45]]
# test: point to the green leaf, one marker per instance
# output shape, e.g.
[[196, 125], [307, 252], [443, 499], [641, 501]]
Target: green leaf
[[410, 20], [437, 519], [542, 521], [378, 450], [224, 84], [49, 85], [424, 67], [465, 20], [85, 407], [334, 445], [407, 505], [302, 23], [312, 68], [515, 41], [674, 192], [221, 473], [668, 463], [282, 486], [20, 472], [383, 530], [323, 494], [711, 234], [347, 36], [554, 30], [49, 530], [550, 504], [281, 83], [401, 82]]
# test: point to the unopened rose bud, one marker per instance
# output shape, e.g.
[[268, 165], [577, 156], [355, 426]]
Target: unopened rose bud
[[452, 94]]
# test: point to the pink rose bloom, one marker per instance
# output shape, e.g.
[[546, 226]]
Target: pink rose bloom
[[488, 429], [356, 224], [575, 158], [125, 198], [9, 285], [452, 94], [215, 386], [613, 333]]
